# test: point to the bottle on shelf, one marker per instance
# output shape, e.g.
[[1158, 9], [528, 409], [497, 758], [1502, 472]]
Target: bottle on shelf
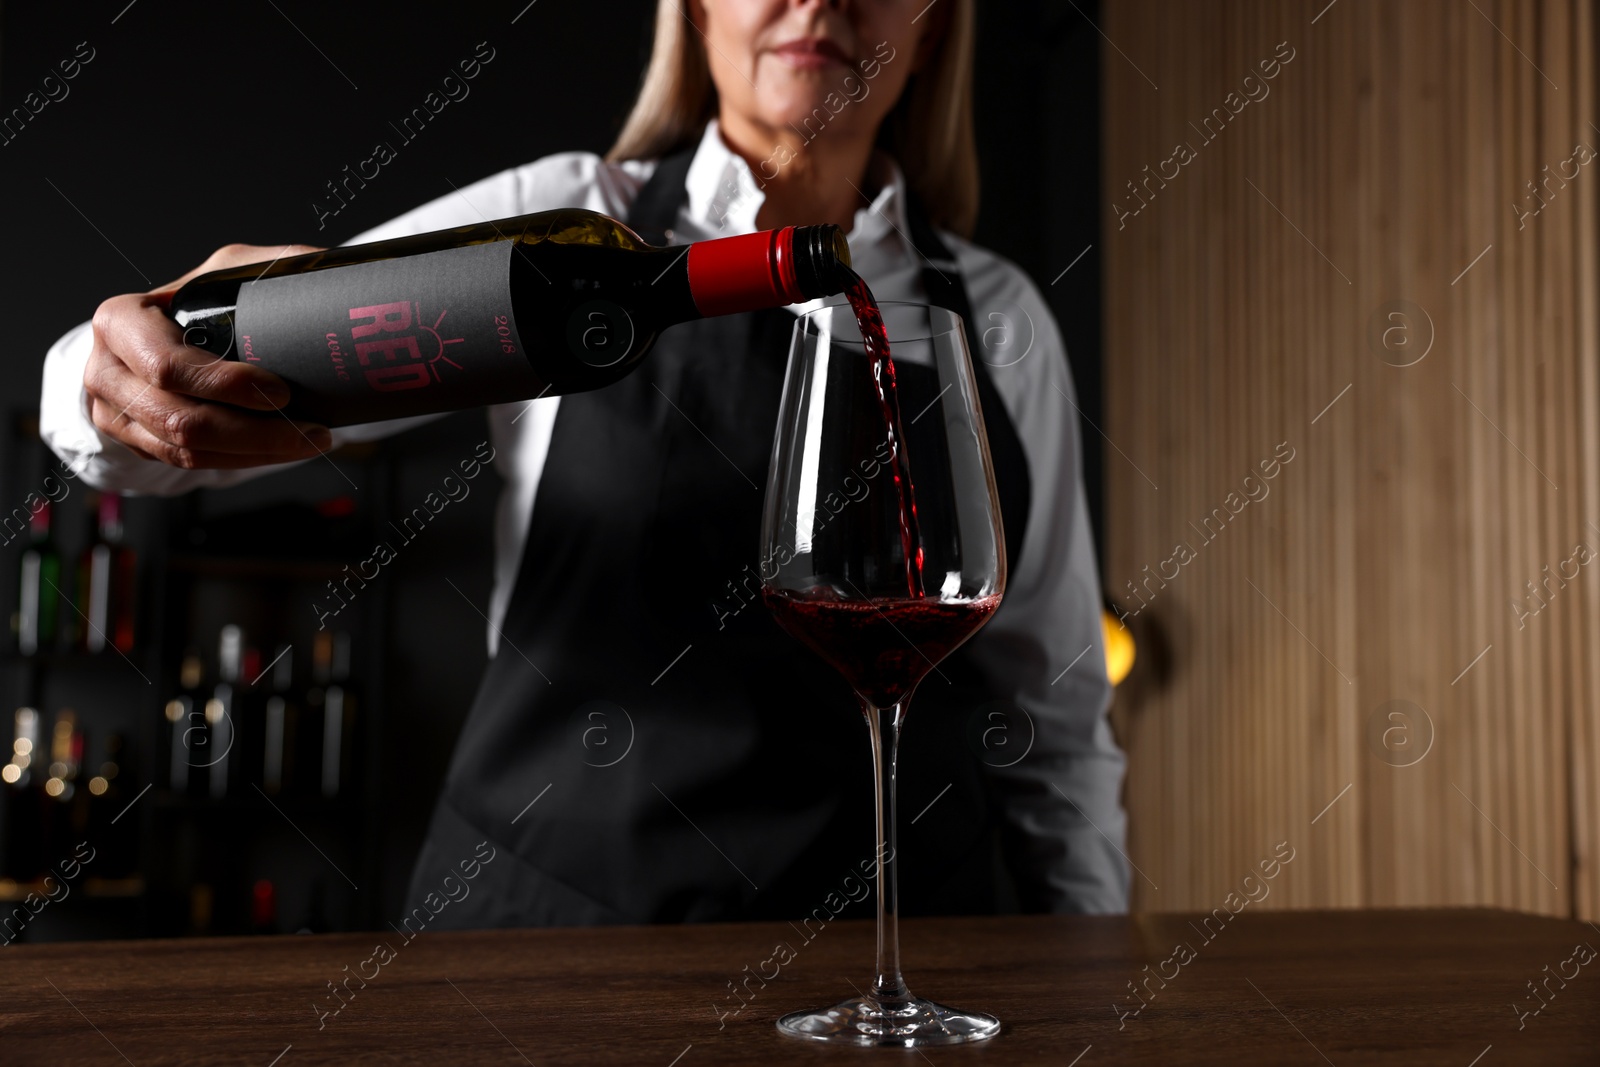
[[222, 709], [332, 700], [66, 747], [65, 805], [186, 727], [249, 736], [201, 898], [316, 920], [311, 728], [264, 908], [77, 620], [39, 590], [339, 721], [104, 783], [540, 305], [314, 731], [22, 856], [326, 719], [107, 577], [116, 845], [279, 722]]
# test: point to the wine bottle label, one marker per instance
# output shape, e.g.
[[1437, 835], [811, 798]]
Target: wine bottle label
[[381, 340]]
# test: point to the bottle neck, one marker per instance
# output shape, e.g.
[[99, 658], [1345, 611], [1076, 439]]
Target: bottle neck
[[189, 673], [110, 518], [283, 670], [230, 651], [770, 268], [322, 659]]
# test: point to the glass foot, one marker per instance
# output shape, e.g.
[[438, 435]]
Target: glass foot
[[912, 1024]]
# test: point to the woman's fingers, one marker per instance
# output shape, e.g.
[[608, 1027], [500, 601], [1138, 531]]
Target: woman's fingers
[[177, 428], [134, 331], [179, 404], [147, 445]]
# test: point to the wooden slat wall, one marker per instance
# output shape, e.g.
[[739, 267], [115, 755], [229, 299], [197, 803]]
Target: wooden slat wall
[[1387, 556]]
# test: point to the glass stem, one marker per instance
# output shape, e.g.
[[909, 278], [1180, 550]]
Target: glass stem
[[884, 723]]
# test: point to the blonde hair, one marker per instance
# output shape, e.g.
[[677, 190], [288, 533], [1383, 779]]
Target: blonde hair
[[929, 133]]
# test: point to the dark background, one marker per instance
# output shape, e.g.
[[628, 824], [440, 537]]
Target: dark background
[[199, 124]]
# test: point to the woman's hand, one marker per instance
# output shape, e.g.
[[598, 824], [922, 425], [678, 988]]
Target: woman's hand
[[181, 405]]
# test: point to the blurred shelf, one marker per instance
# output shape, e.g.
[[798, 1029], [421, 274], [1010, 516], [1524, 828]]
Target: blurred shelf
[[248, 802], [70, 659], [256, 558], [98, 888], [220, 566]]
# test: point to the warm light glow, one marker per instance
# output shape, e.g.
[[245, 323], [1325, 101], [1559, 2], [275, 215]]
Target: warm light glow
[[58, 769], [97, 785], [23, 746], [10, 772], [1119, 648], [174, 710], [214, 710], [54, 787]]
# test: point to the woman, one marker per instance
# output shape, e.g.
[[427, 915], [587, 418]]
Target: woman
[[625, 541]]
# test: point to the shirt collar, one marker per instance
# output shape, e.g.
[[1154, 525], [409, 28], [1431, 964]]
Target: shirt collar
[[724, 196]]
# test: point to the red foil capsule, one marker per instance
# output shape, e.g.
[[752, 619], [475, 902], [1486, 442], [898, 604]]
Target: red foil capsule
[[733, 274]]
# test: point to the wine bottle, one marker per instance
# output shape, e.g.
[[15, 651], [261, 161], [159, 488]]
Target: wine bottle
[[201, 901], [539, 305], [222, 708], [65, 808], [23, 856], [77, 621], [106, 580], [338, 716], [330, 715], [249, 728], [187, 725], [109, 796], [279, 726], [264, 907], [316, 920], [40, 587], [311, 732]]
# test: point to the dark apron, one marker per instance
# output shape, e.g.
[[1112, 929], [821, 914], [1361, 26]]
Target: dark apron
[[686, 760]]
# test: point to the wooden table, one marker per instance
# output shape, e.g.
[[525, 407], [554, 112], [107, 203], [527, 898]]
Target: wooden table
[[1270, 988]]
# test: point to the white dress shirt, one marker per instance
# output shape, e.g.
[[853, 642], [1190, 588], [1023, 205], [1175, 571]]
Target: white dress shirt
[[1046, 643]]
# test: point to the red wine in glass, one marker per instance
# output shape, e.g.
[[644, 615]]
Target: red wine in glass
[[883, 648]]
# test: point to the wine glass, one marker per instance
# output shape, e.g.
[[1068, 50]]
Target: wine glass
[[882, 552]]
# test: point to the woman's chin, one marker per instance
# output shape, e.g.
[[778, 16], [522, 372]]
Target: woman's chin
[[822, 102], [812, 62]]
